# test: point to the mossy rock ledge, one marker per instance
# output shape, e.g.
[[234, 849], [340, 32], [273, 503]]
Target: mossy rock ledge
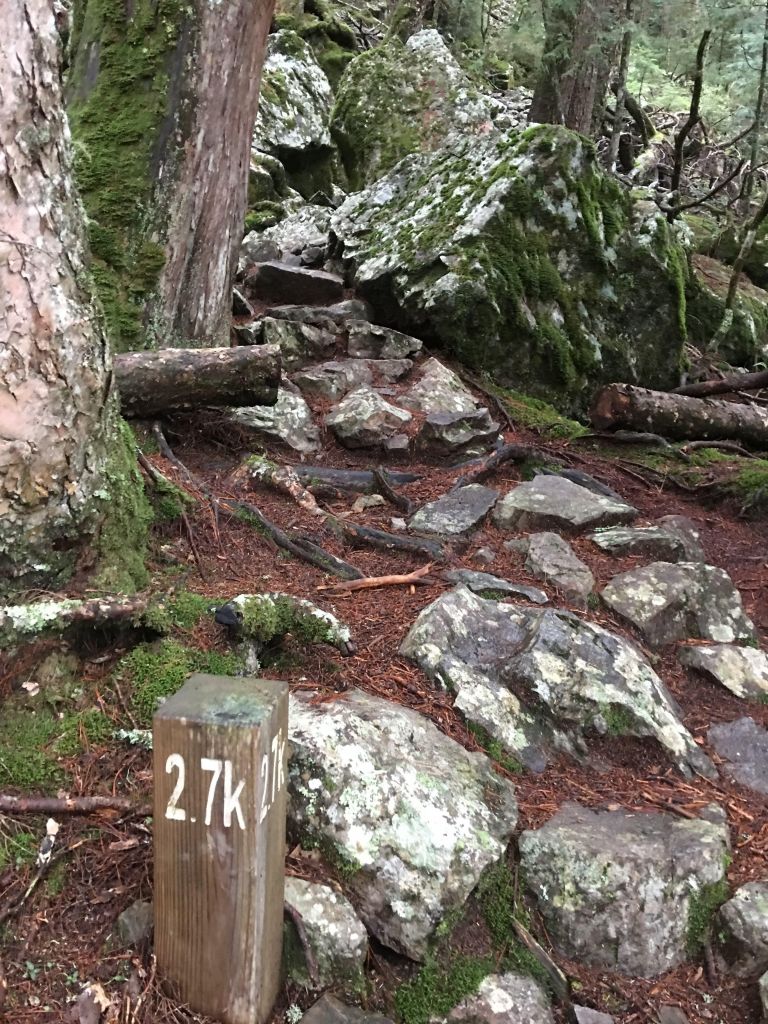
[[518, 255]]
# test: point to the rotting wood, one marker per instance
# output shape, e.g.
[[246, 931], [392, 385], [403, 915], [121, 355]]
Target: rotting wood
[[220, 769], [63, 805], [509, 453], [725, 385], [26, 622], [177, 379], [354, 532], [679, 417], [387, 491], [283, 479], [358, 480]]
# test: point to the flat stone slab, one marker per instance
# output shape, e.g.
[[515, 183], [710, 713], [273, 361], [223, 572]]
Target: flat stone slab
[[503, 999], [332, 380], [413, 816], [487, 585], [363, 419], [290, 420], [687, 601], [744, 745], [369, 341], [336, 935], [617, 888], [438, 390], [742, 670], [330, 1010], [446, 433], [298, 285], [742, 931], [671, 539], [455, 513], [299, 343], [540, 680], [552, 502], [551, 558]]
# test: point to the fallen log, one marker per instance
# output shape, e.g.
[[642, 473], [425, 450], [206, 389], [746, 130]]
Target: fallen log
[[358, 480], [679, 416], [725, 385], [178, 379]]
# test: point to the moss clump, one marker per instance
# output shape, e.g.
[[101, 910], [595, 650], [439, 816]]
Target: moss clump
[[702, 906], [156, 671], [168, 501], [345, 867], [88, 728], [750, 485], [539, 415], [28, 749], [438, 987], [182, 611], [268, 617], [618, 720], [18, 848], [126, 65], [493, 748]]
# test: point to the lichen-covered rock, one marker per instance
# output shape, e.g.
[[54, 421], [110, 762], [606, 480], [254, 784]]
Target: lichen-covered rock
[[501, 999], [330, 1010], [552, 559], [364, 419], [540, 680], [334, 379], [747, 340], [289, 420], [328, 317], [671, 539], [263, 618], [742, 670], [446, 433], [552, 502], [586, 1015], [744, 746], [299, 343], [486, 585], [400, 98], [624, 890], [687, 601], [369, 341], [455, 513], [293, 122], [517, 254], [336, 935], [411, 817], [304, 228], [437, 390], [742, 931]]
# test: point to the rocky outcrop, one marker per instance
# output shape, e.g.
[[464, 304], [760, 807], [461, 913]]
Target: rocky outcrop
[[622, 890], [408, 814], [517, 254]]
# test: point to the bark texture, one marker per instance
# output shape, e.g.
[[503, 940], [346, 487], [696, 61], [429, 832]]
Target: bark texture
[[163, 97], [174, 379], [679, 417], [60, 441]]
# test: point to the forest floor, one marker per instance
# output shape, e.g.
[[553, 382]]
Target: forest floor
[[54, 941]]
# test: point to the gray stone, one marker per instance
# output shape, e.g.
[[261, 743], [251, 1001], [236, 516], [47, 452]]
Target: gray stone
[[502, 999], [689, 534], [687, 601], [541, 680], [485, 555], [672, 1015], [664, 543], [329, 1010], [351, 309], [552, 559], [742, 670], [398, 444], [389, 371], [278, 282], [366, 501], [255, 248], [306, 228], [365, 420], [249, 334], [369, 341], [742, 931], [617, 888], [414, 816], [551, 502], [438, 390], [299, 343], [485, 584], [444, 433], [744, 745], [455, 513], [134, 926], [317, 316], [289, 421], [763, 991], [240, 305], [312, 256], [334, 379], [585, 1015], [336, 935], [578, 476]]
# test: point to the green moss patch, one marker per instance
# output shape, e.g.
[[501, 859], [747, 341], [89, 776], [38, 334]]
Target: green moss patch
[[495, 750], [702, 907], [439, 986], [28, 755]]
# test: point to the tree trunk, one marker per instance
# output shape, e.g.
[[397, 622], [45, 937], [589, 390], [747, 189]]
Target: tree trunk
[[68, 481], [579, 49], [679, 417], [162, 97], [174, 379]]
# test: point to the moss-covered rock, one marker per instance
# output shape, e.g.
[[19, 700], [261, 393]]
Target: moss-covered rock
[[518, 255], [325, 27], [747, 340], [399, 99]]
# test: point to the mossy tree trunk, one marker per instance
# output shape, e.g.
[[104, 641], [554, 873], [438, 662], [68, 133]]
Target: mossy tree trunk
[[580, 46], [162, 97], [68, 481]]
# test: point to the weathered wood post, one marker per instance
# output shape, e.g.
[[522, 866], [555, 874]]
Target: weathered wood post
[[219, 834]]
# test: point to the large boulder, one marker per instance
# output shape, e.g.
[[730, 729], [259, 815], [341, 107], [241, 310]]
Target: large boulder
[[540, 680], [553, 502], [400, 98], [365, 420], [742, 930], [516, 253], [623, 890], [410, 816]]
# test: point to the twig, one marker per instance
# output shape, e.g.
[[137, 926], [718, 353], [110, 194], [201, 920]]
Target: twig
[[309, 956], [673, 212], [726, 446], [370, 582], [387, 491], [693, 116], [63, 805]]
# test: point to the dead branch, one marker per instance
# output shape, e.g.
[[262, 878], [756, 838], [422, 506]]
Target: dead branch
[[358, 480], [509, 453], [387, 491], [693, 115], [283, 479], [353, 533], [63, 805], [370, 582], [725, 385]]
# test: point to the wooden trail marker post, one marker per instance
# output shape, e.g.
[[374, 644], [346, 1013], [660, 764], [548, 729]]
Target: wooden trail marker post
[[219, 835]]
